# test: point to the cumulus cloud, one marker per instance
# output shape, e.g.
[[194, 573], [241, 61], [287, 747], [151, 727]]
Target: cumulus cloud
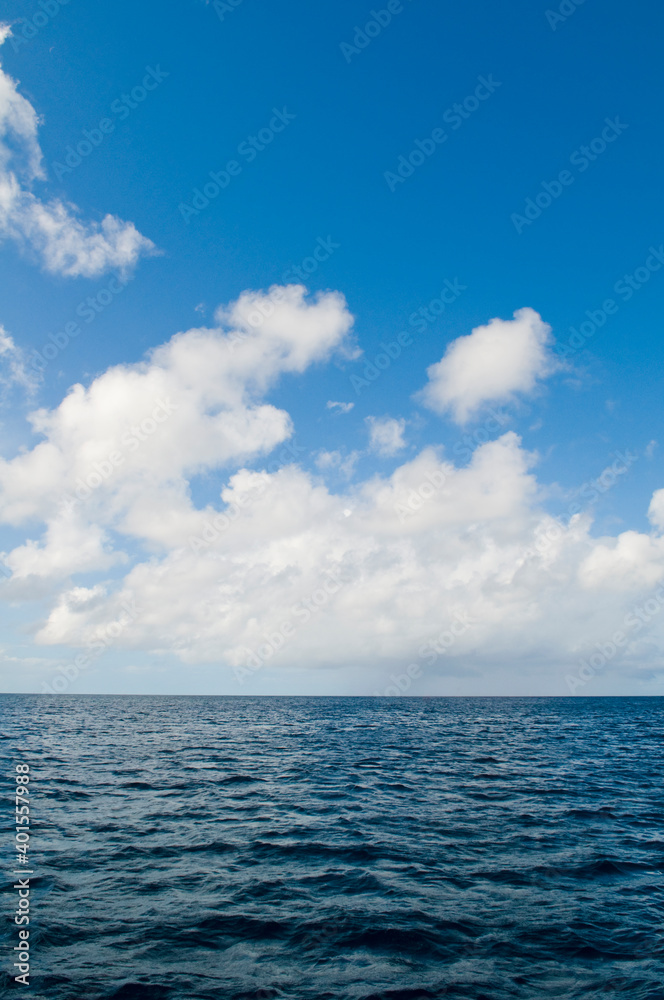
[[631, 561], [339, 407], [386, 435], [491, 365], [124, 448], [282, 571], [287, 574], [50, 230]]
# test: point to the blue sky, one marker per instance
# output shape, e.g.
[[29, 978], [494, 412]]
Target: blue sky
[[348, 116]]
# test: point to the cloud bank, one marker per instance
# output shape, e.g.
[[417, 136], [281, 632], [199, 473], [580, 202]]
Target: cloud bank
[[283, 573]]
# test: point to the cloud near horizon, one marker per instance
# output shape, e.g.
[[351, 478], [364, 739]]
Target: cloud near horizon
[[348, 579], [50, 230]]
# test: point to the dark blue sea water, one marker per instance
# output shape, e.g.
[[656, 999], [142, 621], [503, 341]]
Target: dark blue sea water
[[329, 848]]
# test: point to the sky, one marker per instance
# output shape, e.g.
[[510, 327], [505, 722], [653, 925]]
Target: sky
[[330, 348]]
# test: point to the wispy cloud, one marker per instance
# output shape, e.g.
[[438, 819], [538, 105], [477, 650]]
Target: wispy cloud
[[13, 367], [339, 407], [50, 231]]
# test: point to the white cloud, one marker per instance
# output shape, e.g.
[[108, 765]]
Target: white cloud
[[51, 230], [490, 365], [656, 509], [328, 461], [140, 431], [216, 582], [474, 546], [69, 546], [14, 369], [339, 407], [386, 435], [631, 561]]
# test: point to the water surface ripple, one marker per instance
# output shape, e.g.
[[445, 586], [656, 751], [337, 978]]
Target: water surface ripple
[[324, 848]]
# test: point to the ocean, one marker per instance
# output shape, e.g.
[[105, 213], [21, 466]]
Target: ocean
[[190, 848]]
